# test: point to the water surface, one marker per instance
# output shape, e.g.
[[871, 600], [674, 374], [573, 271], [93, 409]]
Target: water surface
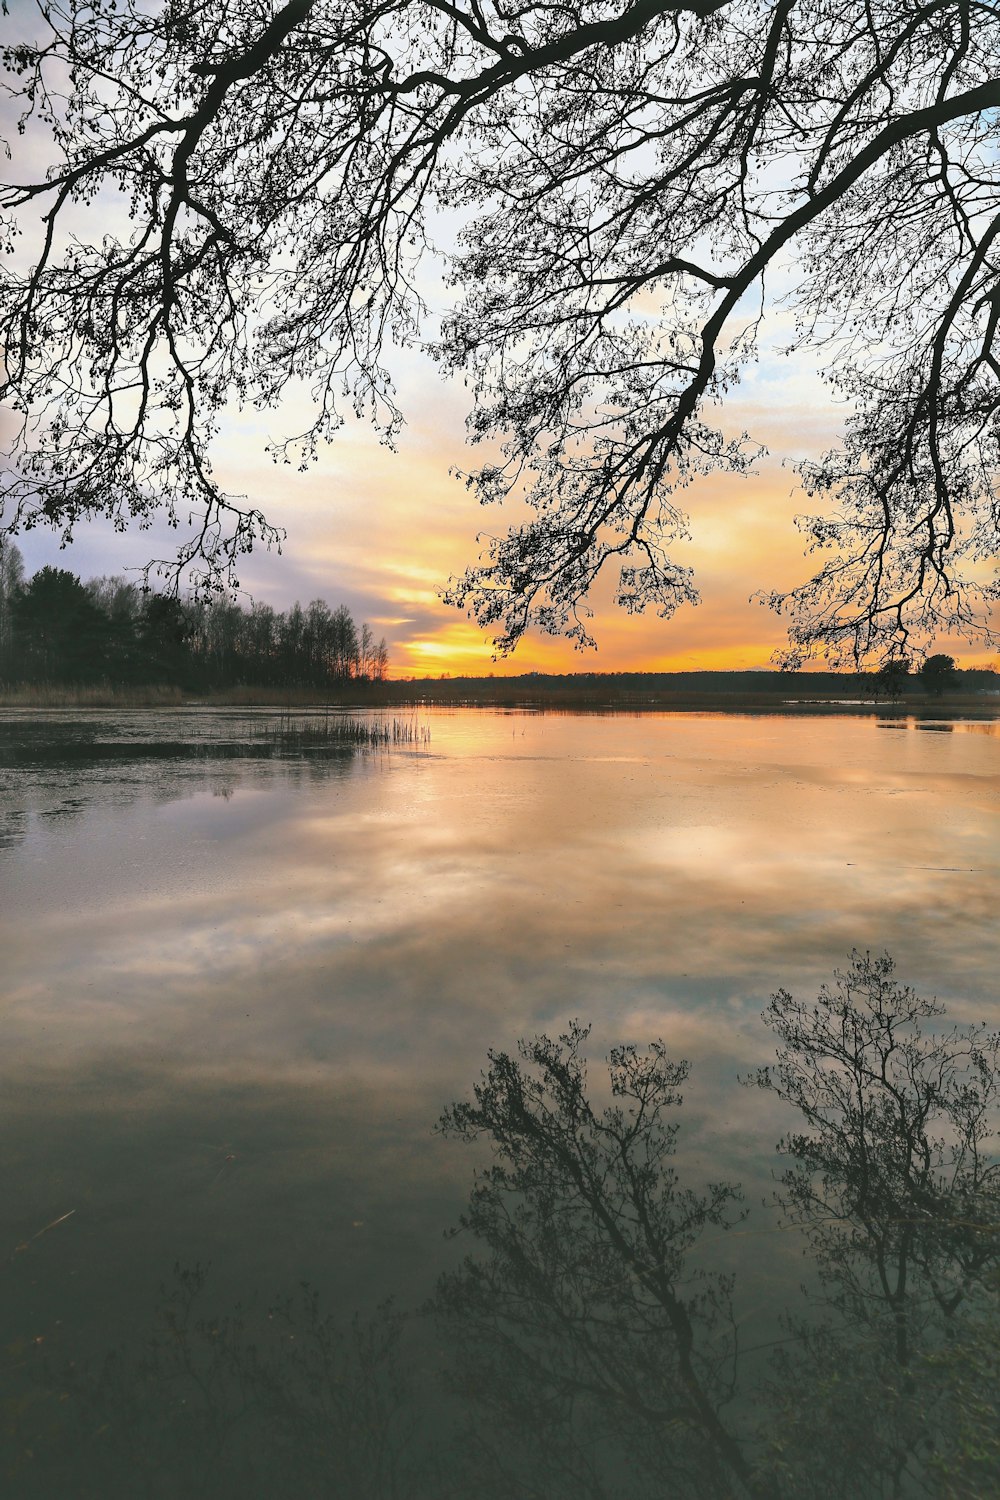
[[237, 993]]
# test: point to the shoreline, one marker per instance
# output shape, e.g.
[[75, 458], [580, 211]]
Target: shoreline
[[429, 694]]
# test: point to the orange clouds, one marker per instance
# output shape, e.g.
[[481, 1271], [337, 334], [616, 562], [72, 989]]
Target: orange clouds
[[384, 531]]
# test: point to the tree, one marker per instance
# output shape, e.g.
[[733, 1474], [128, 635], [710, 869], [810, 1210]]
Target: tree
[[631, 177], [59, 633], [118, 597], [164, 639], [291, 648], [380, 665], [263, 628], [366, 652], [343, 643], [939, 675], [11, 583], [122, 602], [891, 677]]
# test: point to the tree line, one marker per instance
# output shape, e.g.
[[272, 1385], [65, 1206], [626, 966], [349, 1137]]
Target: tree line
[[893, 682], [56, 628]]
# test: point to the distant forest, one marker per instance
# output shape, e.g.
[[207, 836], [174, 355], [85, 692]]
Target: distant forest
[[56, 629], [895, 682]]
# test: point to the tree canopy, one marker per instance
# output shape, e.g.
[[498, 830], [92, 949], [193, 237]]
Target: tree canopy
[[239, 196], [938, 674]]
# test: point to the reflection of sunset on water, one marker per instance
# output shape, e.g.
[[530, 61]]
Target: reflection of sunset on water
[[308, 960], [237, 994], [396, 908]]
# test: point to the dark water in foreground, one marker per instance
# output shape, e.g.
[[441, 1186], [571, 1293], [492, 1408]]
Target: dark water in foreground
[[238, 990]]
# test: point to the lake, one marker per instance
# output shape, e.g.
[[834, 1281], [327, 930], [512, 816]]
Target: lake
[[238, 988]]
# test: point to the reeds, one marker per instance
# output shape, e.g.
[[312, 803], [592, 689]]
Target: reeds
[[266, 735], [333, 732]]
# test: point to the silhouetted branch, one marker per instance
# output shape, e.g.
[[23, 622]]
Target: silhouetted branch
[[627, 177]]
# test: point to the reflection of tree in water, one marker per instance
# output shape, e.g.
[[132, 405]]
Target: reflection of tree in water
[[898, 1197], [289, 1401], [594, 1331], [587, 1328], [589, 1349]]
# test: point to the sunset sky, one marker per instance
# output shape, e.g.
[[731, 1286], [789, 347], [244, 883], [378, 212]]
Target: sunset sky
[[382, 531]]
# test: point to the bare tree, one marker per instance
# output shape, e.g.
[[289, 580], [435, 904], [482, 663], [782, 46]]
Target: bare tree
[[11, 584], [632, 176]]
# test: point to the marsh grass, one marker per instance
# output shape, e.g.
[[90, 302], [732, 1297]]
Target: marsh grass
[[88, 695]]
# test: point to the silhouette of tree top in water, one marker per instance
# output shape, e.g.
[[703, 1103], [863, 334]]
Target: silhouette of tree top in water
[[892, 1178], [594, 1349], [587, 1288], [595, 1314], [626, 176]]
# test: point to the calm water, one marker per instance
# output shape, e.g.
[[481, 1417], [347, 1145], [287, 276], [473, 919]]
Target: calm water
[[236, 994]]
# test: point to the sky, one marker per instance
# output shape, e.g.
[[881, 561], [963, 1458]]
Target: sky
[[383, 531]]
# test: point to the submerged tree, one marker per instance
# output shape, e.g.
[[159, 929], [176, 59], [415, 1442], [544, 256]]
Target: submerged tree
[[239, 195]]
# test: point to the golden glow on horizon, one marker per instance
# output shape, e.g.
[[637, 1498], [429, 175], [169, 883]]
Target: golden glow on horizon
[[384, 531]]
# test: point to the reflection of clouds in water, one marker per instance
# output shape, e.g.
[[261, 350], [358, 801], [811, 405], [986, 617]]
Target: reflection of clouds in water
[[422, 903], [42, 794], [307, 972]]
